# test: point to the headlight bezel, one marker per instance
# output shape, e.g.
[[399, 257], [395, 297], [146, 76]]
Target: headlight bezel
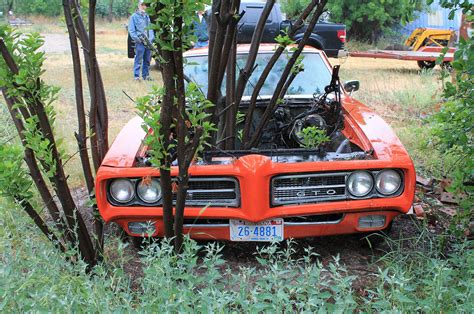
[[114, 197], [141, 198], [369, 192], [395, 191], [136, 200], [375, 193]]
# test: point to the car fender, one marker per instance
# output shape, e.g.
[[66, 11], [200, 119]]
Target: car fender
[[314, 40]]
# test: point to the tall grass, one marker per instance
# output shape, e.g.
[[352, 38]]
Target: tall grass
[[34, 277]]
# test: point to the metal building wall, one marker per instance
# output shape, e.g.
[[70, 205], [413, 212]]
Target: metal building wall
[[436, 17]]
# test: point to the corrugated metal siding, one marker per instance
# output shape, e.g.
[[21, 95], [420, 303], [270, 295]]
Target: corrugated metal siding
[[436, 17]]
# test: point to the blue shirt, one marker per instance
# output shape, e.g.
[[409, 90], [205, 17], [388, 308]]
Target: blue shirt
[[200, 29], [139, 23]]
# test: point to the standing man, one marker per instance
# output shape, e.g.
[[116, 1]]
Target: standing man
[[138, 30], [200, 30]]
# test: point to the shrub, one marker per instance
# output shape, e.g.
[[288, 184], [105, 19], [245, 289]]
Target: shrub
[[38, 7]]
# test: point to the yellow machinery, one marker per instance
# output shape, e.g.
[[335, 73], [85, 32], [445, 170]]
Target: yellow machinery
[[422, 37]]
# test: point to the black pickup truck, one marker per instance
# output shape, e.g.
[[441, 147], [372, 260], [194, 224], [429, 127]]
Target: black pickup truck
[[329, 37]]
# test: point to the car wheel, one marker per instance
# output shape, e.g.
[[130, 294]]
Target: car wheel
[[447, 66], [426, 64]]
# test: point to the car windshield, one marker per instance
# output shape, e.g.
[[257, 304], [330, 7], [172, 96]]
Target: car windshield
[[313, 79]]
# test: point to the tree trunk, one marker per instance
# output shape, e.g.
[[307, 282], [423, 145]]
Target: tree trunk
[[110, 15]]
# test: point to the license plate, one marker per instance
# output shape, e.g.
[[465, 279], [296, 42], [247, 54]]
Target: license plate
[[264, 231]]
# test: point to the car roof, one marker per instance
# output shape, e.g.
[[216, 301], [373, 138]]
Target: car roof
[[244, 48]]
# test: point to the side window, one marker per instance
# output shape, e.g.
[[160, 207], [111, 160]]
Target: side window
[[253, 14]]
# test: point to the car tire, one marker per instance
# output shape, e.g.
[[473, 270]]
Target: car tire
[[426, 64], [446, 65]]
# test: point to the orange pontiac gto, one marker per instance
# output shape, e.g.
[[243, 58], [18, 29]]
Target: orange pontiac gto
[[357, 182]]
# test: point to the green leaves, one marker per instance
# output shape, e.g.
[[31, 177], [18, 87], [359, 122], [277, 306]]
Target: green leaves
[[313, 137], [149, 108], [165, 12], [366, 20], [15, 181], [453, 125]]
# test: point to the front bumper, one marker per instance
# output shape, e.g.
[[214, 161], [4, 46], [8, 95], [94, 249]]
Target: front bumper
[[349, 223], [254, 173]]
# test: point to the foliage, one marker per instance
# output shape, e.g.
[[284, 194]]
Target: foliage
[[37, 278], [149, 108], [38, 7], [197, 114], [166, 33], [453, 125], [313, 137], [368, 20], [120, 8], [15, 181], [30, 104], [293, 8], [29, 60]]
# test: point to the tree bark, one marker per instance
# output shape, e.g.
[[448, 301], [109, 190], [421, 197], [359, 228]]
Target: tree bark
[[280, 88], [58, 179], [35, 172], [110, 15], [266, 71]]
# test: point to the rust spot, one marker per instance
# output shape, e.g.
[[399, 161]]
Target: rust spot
[[146, 180], [174, 187]]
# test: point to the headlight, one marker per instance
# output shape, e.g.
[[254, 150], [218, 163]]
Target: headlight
[[122, 190], [149, 191], [388, 182], [360, 183]]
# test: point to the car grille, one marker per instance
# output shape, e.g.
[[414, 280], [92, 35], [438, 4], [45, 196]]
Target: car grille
[[213, 192], [308, 188]]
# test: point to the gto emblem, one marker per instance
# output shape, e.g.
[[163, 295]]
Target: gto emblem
[[315, 193]]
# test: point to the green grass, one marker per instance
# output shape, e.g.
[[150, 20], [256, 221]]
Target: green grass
[[36, 278]]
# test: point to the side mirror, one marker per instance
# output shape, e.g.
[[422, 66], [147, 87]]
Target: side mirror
[[351, 86], [286, 24]]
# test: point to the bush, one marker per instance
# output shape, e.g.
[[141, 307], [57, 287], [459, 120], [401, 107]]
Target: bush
[[368, 20], [38, 7], [293, 8], [120, 8], [453, 125], [35, 277]]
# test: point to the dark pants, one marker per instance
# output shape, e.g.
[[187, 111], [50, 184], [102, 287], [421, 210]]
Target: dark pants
[[142, 58]]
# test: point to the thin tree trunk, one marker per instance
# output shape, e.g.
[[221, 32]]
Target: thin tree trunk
[[284, 77], [58, 179], [245, 74], [266, 71], [166, 121], [81, 136], [35, 172], [110, 14]]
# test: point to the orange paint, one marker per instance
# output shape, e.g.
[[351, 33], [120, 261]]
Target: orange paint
[[254, 173]]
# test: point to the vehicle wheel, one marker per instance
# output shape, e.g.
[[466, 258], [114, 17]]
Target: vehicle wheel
[[137, 242], [426, 64], [447, 66]]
